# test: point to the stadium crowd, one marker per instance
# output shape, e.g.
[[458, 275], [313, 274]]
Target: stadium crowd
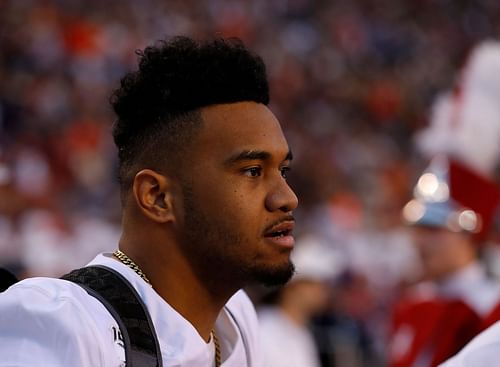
[[351, 82]]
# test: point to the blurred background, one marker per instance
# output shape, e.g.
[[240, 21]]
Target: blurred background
[[352, 81]]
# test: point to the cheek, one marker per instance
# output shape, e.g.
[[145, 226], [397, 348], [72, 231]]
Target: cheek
[[437, 259], [430, 251], [234, 202], [227, 199], [428, 246]]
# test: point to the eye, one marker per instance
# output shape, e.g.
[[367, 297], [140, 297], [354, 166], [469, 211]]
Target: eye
[[284, 171], [253, 171]]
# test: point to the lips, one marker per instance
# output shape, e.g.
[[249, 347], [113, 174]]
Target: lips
[[281, 233]]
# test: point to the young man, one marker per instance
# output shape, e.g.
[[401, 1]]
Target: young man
[[206, 211]]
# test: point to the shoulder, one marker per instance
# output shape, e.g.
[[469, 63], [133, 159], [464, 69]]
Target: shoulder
[[51, 315], [49, 296], [483, 350], [483, 296]]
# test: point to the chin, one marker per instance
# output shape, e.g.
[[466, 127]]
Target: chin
[[274, 276]]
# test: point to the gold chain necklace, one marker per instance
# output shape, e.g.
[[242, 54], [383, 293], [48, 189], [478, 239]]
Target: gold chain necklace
[[217, 349], [132, 265]]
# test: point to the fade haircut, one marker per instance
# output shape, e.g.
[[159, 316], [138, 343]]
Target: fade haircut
[[158, 106]]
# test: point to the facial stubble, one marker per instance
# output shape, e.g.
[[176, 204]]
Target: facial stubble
[[218, 251]]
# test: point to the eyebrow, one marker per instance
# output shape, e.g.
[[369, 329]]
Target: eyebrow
[[253, 155]]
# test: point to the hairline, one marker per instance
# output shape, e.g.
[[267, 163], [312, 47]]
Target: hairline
[[166, 161]]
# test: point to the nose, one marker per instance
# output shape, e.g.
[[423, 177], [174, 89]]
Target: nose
[[281, 197]]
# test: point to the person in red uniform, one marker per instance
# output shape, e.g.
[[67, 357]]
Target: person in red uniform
[[469, 126], [451, 216]]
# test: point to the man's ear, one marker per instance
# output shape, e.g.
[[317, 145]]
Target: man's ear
[[153, 194]]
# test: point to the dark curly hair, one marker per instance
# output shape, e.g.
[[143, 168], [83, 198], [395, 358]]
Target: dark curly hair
[[158, 106]]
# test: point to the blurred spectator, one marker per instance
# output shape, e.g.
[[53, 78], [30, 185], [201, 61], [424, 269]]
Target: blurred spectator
[[286, 338]]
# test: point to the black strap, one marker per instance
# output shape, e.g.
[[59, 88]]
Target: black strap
[[6, 279], [124, 304]]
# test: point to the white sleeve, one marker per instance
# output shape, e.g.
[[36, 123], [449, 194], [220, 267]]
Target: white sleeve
[[40, 328], [483, 350]]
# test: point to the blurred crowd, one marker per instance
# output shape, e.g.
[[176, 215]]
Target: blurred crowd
[[351, 82]]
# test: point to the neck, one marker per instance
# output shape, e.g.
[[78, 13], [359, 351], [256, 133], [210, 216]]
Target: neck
[[198, 300]]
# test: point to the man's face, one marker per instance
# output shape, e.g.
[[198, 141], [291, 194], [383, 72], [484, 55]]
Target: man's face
[[442, 252], [237, 204]]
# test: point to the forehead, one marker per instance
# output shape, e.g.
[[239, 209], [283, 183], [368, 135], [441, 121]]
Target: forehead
[[234, 127]]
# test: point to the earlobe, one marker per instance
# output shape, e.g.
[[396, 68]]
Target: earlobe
[[153, 195]]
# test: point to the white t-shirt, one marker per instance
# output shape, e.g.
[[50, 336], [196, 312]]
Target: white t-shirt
[[482, 351], [53, 322], [285, 344]]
